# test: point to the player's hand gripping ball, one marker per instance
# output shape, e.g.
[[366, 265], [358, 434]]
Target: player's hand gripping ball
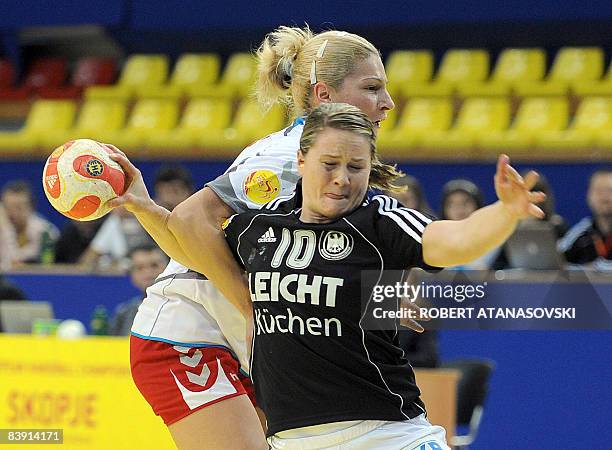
[[79, 179]]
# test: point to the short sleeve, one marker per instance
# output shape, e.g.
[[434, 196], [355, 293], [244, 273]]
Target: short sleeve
[[400, 232], [262, 172]]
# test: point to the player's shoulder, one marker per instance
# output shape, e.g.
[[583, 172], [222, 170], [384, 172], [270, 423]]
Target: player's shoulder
[[283, 141], [387, 212]]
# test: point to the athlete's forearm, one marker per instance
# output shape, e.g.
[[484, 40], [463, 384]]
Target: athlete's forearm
[[196, 224], [451, 243]]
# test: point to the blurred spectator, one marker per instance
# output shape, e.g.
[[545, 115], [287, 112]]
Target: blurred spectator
[[146, 263], [118, 235], [74, 239], [460, 198], [413, 197], [31, 236], [7, 244], [549, 207], [172, 185], [550, 215], [590, 240]]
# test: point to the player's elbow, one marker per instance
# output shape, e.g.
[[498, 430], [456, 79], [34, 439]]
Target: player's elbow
[[202, 211], [444, 245]]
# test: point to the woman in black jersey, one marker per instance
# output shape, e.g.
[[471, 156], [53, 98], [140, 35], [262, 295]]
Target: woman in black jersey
[[323, 378]]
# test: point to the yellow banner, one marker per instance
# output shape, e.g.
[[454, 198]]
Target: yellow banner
[[83, 387]]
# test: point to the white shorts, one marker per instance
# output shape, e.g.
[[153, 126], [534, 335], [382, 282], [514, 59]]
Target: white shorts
[[181, 308], [413, 434]]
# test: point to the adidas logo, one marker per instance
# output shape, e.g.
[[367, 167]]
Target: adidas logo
[[268, 236], [51, 179]]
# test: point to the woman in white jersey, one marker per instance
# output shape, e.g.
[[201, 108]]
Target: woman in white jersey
[[188, 350]]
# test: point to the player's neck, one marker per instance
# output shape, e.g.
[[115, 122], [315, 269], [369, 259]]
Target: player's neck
[[308, 216]]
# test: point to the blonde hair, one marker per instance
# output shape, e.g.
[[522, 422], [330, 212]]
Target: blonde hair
[[342, 116], [292, 59]]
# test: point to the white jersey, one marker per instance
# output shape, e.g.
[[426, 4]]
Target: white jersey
[[182, 307]]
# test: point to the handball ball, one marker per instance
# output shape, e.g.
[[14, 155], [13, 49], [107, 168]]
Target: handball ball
[[79, 179]]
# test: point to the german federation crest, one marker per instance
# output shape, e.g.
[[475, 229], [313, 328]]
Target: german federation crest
[[335, 245]]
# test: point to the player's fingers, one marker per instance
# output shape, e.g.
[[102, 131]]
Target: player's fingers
[[114, 149], [413, 325], [416, 309], [514, 176], [531, 179], [502, 162], [537, 197], [116, 202], [535, 211], [129, 168]]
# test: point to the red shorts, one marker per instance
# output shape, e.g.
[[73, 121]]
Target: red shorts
[[177, 381]]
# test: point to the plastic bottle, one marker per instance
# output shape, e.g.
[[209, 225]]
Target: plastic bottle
[[47, 249], [99, 321]]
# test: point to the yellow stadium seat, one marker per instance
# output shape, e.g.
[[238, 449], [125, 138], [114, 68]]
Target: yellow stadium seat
[[421, 116], [477, 116], [95, 116], [515, 65], [571, 65], [201, 117], [594, 87], [45, 116], [593, 118], [458, 66], [249, 124], [237, 79], [139, 72], [408, 66], [148, 115], [534, 116], [191, 70]]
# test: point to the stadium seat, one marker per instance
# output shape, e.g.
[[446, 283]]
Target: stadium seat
[[477, 116], [571, 65], [594, 87], [201, 117], [191, 70], [421, 116], [249, 125], [89, 71], [139, 72], [458, 66], [46, 72], [94, 118], [408, 66], [593, 118], [534, 116], [147, 115], [514, 65], [237, 79], [45, 116], [7, 74]]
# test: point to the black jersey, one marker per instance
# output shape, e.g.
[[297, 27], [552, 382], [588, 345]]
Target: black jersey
[[313, 362]]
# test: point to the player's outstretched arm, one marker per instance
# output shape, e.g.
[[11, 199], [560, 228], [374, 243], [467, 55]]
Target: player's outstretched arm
[[151, 216], [450, 243]]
